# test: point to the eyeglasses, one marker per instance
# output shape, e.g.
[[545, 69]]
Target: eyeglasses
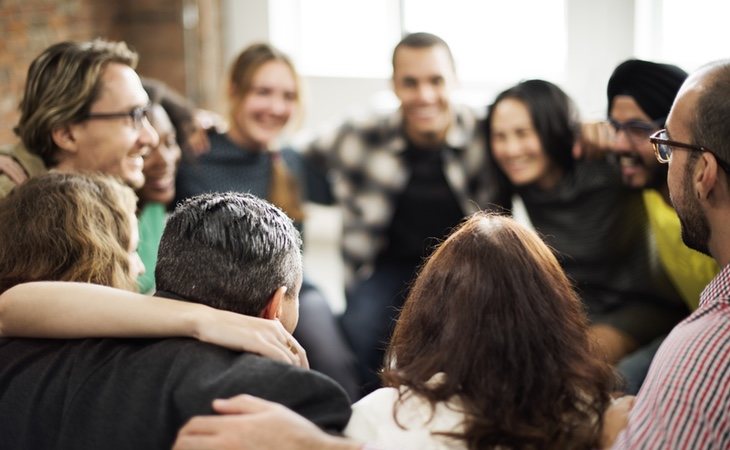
[[637, 131], [138, 115], [663, 149]]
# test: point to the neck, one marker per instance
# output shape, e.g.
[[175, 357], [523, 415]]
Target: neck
[[426, 140], [238, 137], [719, 244]]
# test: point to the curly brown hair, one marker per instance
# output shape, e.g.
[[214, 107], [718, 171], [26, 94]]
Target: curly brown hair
[[67, 227], [493, 311]]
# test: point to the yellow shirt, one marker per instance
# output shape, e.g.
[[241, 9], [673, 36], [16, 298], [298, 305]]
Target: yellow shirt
[[689, 270]]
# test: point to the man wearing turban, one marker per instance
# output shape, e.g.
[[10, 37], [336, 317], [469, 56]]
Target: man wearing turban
[[640, 95]]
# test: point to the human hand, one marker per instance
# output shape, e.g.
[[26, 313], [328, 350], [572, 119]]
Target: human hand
[[12, 169], [251, 423], [252, 334], [204, 120], [615, 419], [596, 139]]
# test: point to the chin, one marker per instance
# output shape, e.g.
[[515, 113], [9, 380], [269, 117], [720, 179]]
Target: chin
[[135, 181], [157, 197]]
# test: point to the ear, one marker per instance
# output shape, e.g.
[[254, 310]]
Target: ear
[[704, 175], [273, 308], [64, 138]]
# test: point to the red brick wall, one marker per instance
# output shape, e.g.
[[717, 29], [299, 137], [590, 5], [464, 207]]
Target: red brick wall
[[154, 28]]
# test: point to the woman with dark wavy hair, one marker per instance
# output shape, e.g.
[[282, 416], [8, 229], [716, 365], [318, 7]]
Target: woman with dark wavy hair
[[581, 208], [491, 350]]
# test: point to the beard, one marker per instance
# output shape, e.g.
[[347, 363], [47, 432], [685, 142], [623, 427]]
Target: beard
[[695, 228]]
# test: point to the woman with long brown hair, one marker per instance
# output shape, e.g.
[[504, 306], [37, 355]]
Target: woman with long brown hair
[[491, 350]]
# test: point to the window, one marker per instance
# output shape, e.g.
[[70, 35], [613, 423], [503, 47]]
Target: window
[[688, 34], [492, 42]]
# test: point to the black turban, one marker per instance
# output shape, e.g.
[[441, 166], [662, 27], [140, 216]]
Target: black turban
[[653, 86]]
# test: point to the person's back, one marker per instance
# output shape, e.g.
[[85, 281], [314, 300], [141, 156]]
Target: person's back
[[137, 393], [234, 251]]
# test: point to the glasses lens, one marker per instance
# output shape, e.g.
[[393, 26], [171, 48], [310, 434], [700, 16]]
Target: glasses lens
[[139, 114], [665, 152]]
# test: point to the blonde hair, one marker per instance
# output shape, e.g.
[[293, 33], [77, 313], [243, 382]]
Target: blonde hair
[[284, 189], [62, 84], [67, 227]]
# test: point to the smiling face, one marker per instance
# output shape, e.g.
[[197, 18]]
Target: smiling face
[[261, 113], [422, 80], [160, 165], [516, 146], [113, 146], [639, 167]]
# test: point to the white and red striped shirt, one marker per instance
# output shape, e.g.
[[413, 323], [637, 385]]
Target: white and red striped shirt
[[685, 400]]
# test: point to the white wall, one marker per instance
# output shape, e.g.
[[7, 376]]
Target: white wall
[[600, 35]]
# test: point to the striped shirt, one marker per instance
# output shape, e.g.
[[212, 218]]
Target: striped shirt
[[685, 400]]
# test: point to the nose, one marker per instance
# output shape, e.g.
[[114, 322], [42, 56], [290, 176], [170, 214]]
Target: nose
[[621, 140], [511, 146], [279, 105], [148, 137], [426, 93]]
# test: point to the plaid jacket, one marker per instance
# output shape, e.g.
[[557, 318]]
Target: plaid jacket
[[364, 164]]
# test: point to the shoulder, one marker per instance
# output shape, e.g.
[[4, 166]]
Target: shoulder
[[372, 129], [212, 373]]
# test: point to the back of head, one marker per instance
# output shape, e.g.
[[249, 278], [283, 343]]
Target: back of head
[[554, 116], [67, 227], [652, 85], [62, 84], [710, 126], [230, 251], [494, 311], [422, 40]]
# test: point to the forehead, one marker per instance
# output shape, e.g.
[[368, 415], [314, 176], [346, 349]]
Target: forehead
[[511, 111], [422, 62], [624, 108], [160, 120], [121, 88], [275, 73]]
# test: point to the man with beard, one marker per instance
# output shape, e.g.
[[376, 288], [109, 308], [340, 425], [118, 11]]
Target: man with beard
[[640, 94], [686, 396], [403, 180]]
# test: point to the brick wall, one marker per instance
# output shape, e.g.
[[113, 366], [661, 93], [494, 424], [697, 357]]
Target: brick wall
[[154, 28]]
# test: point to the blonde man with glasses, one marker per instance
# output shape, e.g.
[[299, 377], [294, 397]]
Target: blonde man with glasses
[[84, 109]]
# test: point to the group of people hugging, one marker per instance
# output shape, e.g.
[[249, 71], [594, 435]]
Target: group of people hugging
[[513, 278]]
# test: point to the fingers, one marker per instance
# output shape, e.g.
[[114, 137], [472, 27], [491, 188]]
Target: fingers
[[240, 404], [301, 354], [198, 142], [12, 169]]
